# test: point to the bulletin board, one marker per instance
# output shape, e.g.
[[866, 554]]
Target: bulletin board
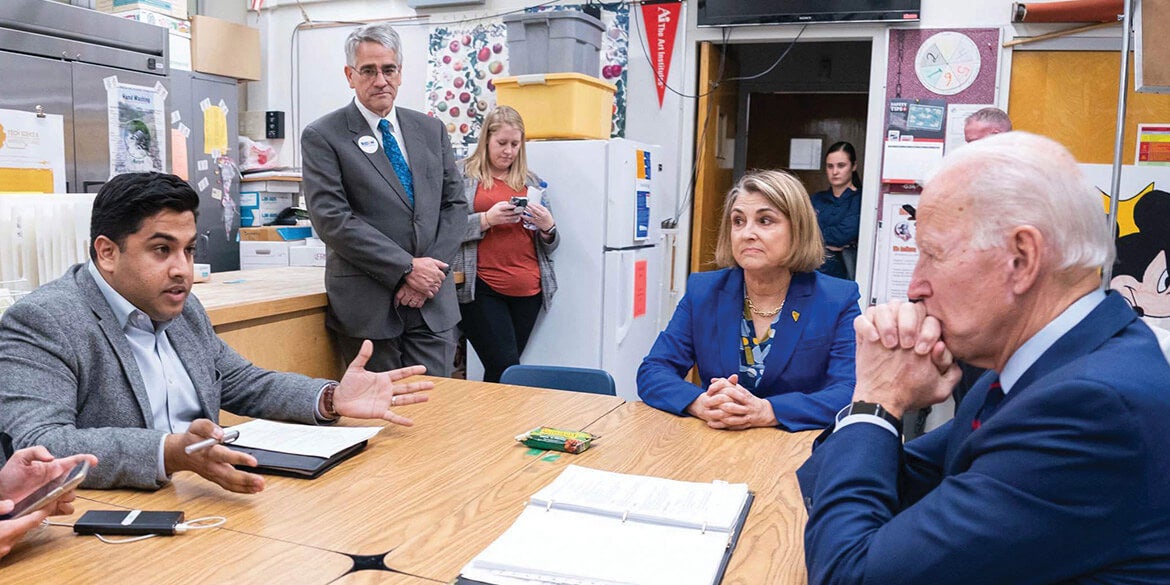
[[1153, 27], [1071, 97], [944, 74]]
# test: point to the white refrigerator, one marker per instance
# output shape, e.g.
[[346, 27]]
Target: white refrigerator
[[606, 198]]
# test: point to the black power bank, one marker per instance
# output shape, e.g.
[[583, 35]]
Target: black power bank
[[127, 522]]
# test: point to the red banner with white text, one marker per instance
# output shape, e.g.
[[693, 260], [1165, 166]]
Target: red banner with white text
[[661, 24]]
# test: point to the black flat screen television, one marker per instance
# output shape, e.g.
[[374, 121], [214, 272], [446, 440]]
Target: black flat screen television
[[748, 12]]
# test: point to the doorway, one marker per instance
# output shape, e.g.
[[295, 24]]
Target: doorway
[[819, 91]]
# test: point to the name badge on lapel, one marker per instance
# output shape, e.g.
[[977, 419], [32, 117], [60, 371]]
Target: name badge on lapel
[[368, 144]]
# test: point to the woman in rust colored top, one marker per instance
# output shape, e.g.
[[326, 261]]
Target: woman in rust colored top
[[507, 272]]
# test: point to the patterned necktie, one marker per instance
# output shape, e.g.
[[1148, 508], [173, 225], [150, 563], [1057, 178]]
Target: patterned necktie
[[994, 397], [397, 160]]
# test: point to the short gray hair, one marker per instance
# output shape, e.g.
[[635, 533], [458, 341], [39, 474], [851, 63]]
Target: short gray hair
[[379, 32], [992, 116], [1018, 178]]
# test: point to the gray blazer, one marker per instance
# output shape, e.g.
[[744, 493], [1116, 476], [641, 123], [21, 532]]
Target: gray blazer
[[360, 210], [68, 381], [468, 259]]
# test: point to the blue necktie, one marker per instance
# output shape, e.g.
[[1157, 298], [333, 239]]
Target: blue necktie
[[397, 160]]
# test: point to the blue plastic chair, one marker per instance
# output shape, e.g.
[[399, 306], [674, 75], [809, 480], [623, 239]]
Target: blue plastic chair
[[561, 378]]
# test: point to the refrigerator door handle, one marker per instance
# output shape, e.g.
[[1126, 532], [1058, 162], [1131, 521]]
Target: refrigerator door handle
[[627, 296]]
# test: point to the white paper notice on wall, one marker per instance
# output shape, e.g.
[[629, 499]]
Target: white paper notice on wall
[[957, 115], [910, 162], [804, 154]]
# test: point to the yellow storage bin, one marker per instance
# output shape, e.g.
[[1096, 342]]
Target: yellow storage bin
[[559, 105]]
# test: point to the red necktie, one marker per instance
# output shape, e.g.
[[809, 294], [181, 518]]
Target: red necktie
[[994, 397]]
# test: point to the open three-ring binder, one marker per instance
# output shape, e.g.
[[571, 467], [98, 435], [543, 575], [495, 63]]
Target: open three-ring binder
[[593, 527]]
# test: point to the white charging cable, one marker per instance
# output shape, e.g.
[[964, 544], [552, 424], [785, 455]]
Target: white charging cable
[[181, 528]]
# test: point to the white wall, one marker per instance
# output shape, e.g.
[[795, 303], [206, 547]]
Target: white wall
[[672, 126]]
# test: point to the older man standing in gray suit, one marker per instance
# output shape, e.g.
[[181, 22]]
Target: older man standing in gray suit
[[116, 358], [386, 197]]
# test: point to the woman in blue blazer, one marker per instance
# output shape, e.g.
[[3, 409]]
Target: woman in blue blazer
[[773, 337]]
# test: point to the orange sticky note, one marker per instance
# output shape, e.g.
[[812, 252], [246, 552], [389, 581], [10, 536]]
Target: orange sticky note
[[179, 155]]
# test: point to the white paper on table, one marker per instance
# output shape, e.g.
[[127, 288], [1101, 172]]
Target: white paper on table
[[301, 439]]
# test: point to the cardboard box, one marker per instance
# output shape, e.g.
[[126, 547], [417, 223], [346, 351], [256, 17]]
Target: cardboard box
[[180, 26], [175, 8], [259, 208], [265, 254], [225, 48], [306, 256], [275, 233]]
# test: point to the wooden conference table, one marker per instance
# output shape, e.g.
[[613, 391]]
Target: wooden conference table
[[422, 501]]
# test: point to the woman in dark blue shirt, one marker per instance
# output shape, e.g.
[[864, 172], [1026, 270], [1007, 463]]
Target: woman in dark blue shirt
[[839, 209]]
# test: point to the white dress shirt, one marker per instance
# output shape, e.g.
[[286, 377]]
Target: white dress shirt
[[373, 119]]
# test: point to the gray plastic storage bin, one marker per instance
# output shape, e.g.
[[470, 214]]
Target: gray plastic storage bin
[[562, 41]]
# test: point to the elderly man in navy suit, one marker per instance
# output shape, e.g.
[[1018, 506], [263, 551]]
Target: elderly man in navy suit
[[1056, 468], [385, 195]]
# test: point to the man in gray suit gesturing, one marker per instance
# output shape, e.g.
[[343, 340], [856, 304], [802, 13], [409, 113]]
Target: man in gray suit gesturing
[[386, 197], [115, 358]]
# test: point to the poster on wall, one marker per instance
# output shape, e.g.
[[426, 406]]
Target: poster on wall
[[1153, 145], [957, 115], [915, 130], [464, 60], [897, 248], [137, 126], [32, 152], [661, 25], [1141, 273]]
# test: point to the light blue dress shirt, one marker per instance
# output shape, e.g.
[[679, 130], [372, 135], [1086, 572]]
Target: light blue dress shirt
[[1022, 359], [174, 404]]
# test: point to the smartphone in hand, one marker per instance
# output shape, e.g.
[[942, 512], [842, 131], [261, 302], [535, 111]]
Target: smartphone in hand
[[48, 493], [520, 201]]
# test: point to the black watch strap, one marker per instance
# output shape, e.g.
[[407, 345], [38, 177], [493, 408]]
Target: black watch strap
[[874, 409]]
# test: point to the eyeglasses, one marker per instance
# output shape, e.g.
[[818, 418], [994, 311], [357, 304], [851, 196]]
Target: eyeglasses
[[370, 72]]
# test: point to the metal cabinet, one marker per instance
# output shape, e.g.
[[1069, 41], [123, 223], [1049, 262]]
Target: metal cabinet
[[218, 227]]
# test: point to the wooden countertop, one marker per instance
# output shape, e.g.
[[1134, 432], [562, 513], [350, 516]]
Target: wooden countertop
[[241, 295]]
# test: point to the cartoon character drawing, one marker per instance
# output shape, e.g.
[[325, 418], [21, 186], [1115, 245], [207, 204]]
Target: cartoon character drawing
[[1140, 274]]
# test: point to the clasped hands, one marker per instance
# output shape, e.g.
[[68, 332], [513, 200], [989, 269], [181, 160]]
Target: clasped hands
[[902, 362], [360, 394], [421, 283], [729, 406]]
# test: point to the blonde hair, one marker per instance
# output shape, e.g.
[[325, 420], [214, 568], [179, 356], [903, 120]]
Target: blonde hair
[[478, 165], [806, 251]]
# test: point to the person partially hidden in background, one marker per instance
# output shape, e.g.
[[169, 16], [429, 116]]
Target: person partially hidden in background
[[116, 358], [23, 473], [838, 211], [986, 122], [508, 275], [773, 337], [1056, 467]]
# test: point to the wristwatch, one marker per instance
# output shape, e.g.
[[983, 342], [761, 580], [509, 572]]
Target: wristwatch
[[552, 230], [877, 410]]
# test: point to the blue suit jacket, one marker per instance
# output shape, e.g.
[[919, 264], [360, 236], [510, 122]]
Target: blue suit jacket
[[808, 374], [1068, 481]]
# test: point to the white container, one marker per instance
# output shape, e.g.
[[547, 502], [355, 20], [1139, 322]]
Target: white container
[[266, 254], [306, 256]]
